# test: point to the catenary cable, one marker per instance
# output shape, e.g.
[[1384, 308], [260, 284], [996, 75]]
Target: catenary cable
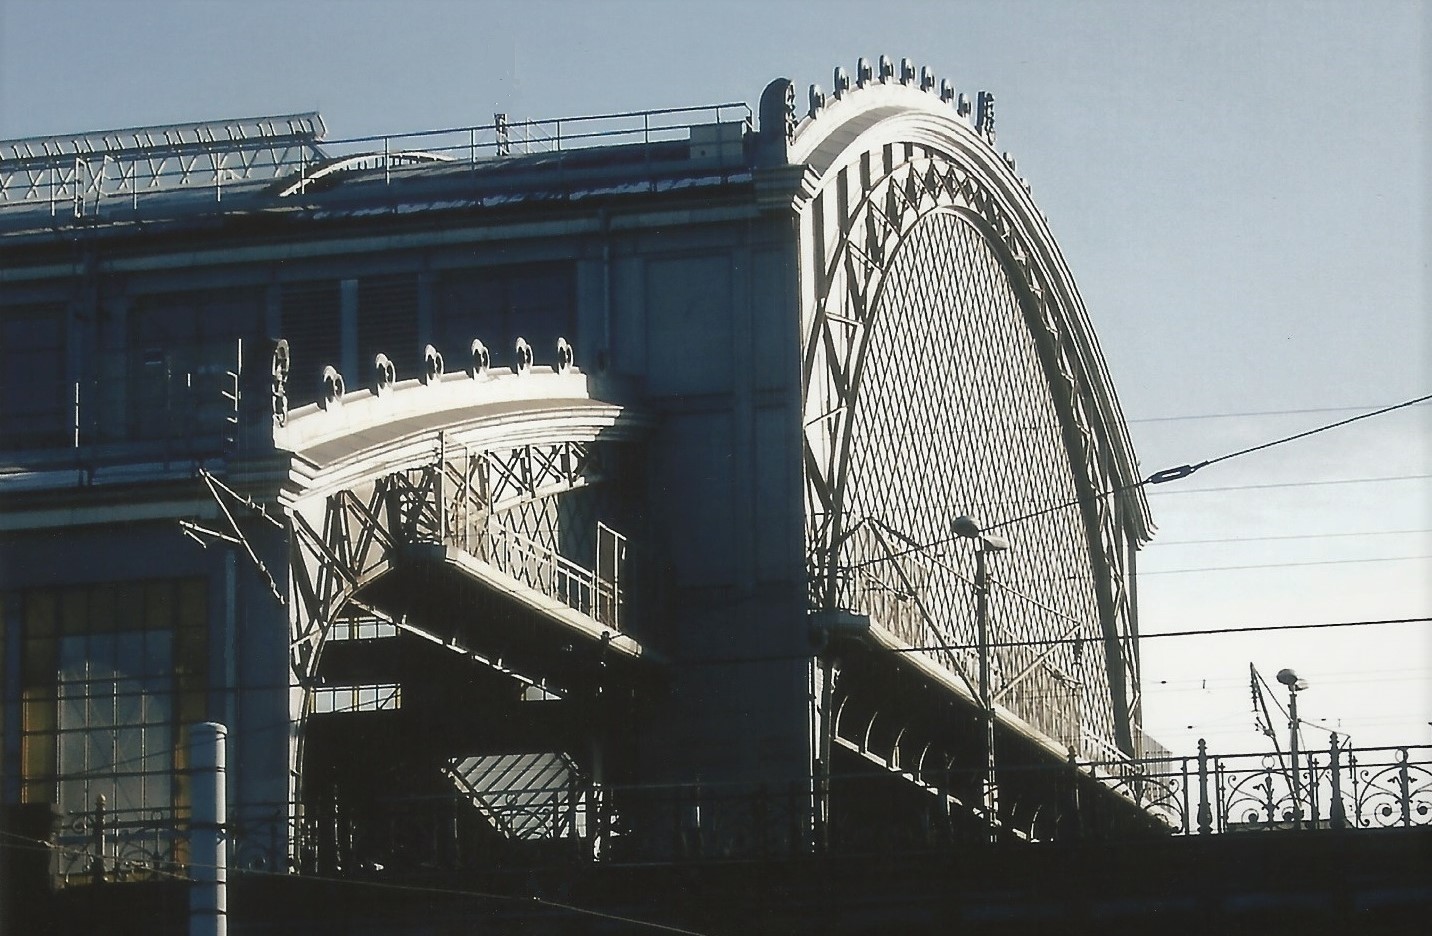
[[1158, 477]]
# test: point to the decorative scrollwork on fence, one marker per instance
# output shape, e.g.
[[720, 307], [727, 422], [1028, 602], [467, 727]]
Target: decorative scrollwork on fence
[[1160, 787], [1256, 797], [1392, 794], [120, 845]]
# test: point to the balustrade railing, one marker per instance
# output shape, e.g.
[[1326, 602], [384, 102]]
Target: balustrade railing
[[1339, 788], [1342, 788], [543, 569], [105, 844]]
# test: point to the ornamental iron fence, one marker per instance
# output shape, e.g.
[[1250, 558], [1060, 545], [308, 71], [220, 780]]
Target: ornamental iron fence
[[1340, 788]]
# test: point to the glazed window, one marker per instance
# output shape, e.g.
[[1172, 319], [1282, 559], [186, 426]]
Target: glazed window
[[111, 675], [38, 400]]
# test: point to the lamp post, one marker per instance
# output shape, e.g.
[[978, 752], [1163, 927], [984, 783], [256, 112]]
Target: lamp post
[[968, 528], [1290, 679]]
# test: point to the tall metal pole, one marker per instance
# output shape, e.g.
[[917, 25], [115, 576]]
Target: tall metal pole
[[989, 794], [1293, 756], [97, 868], [208, 902]]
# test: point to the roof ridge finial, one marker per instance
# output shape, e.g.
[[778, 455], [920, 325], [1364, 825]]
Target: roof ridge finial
[[817, 100], [984, 115], [864, 74]]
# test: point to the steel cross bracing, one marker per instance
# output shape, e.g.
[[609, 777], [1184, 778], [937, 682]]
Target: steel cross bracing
[[941, 378], [526, 796], [84, 169], [494, 504]]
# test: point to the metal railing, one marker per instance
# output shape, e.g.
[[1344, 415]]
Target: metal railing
[[1343, 788], [92, 184], [1339, 788], [544, 569], [505, 137], [101, 845]]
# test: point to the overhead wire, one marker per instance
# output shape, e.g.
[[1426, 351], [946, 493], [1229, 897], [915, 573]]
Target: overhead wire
[[1050, 641], [1085, 575], [1325, 678], [1183, 471], [1158, 477], [1161, 477], [1293, 484], [1249, 414], [1282, 565], [1311, 432], [1286, 536], [289, 725]]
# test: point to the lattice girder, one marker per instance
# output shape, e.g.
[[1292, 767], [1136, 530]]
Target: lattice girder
[[344, 540], [128, 163], [920, 194]]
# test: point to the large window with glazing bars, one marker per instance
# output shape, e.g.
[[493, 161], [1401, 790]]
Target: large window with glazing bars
[[110, 676]]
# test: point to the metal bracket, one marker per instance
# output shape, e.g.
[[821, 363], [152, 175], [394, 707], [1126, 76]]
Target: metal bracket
[[224, 496]]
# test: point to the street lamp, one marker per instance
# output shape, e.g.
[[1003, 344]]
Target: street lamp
[[968, 528], [1295, 684]]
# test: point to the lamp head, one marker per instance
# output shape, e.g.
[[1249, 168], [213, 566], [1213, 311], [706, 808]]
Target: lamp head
[[1291, 679], [994, 543], [968, 527]]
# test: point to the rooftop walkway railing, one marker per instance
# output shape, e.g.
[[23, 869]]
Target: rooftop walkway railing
[[102, 174]]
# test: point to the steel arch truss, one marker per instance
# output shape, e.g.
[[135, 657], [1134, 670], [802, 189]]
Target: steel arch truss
[[494, 504], [903, 241]]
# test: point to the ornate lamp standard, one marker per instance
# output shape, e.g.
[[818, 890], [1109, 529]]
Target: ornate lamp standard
[[968, 528], [1290, 679]]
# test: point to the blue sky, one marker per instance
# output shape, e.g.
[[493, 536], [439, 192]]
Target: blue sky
[[1239, 189]]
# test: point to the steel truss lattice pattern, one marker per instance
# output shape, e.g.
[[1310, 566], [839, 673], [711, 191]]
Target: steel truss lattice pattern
[[942, 379], [127, 163], [501, 506]]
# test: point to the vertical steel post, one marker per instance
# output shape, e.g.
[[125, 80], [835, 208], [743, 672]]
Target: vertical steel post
[[500, 128], [442, 489], [1293, 757], [989, 793], [1404, 787], [99, 816], [828, 668], [208, 904], [1071, 820], [1205, 811], [597, 603], [1337, 815], [1183, 767]]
